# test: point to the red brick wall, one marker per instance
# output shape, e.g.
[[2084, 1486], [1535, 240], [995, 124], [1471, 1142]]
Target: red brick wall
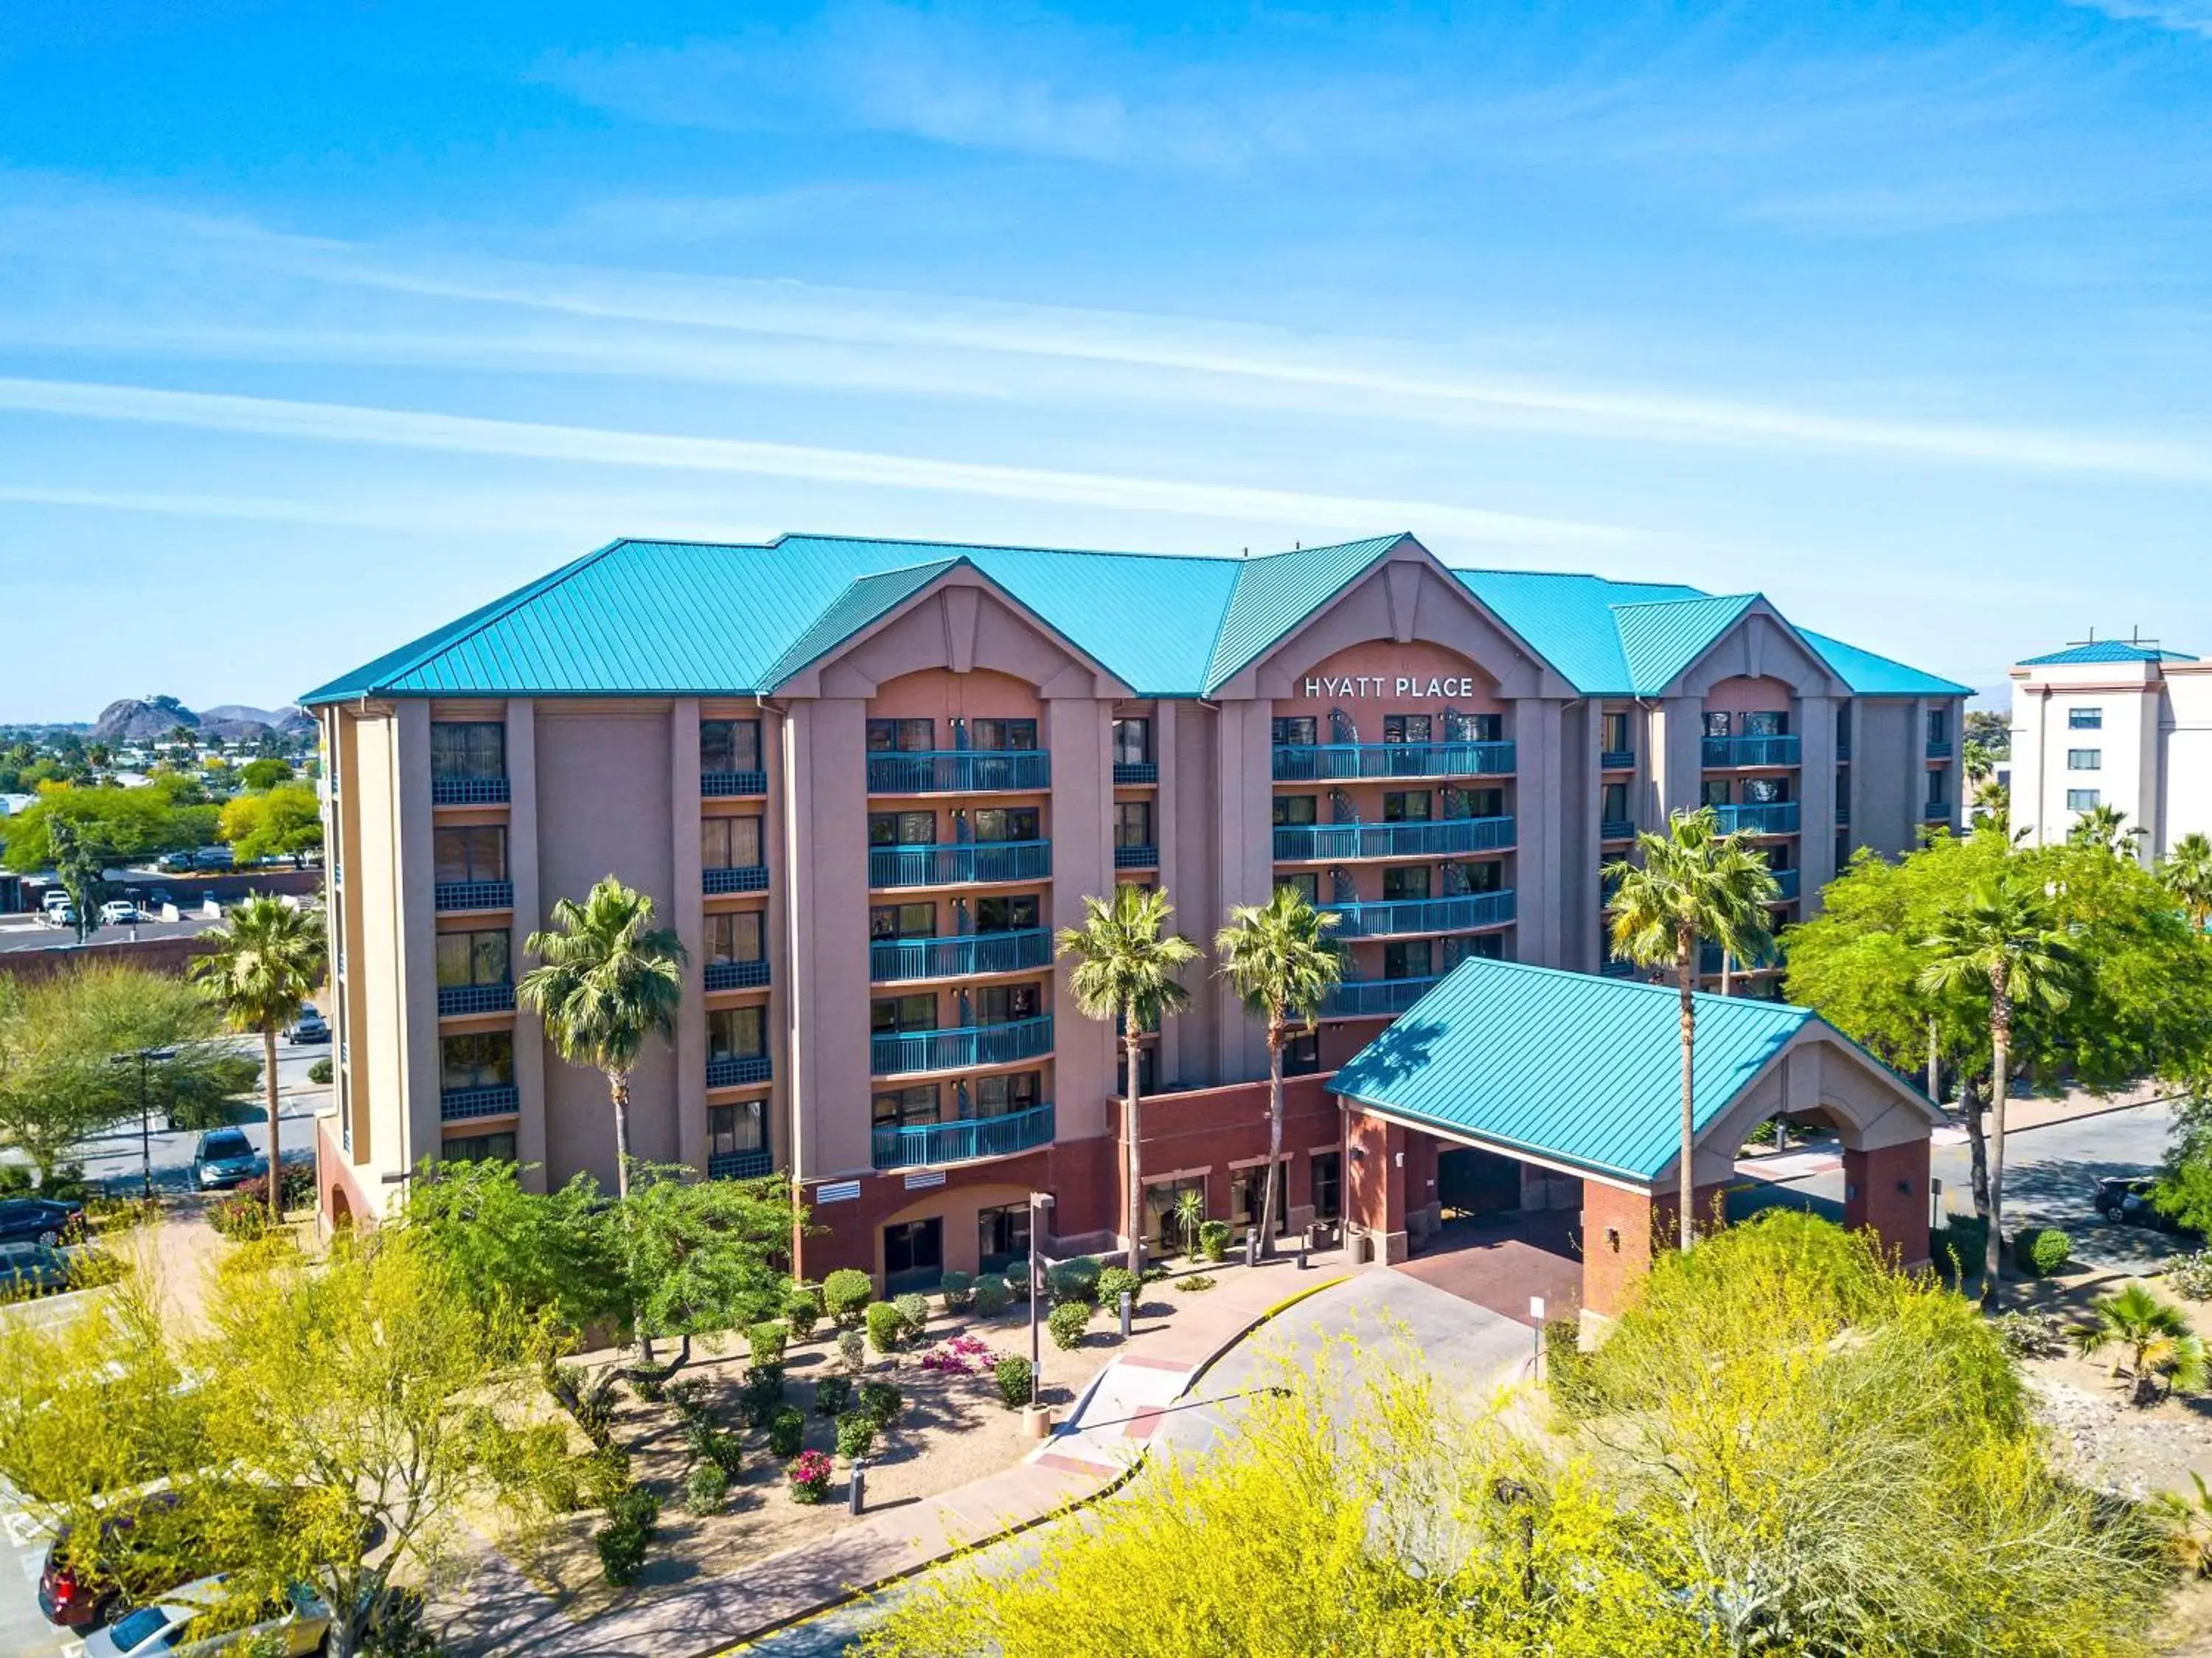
[[1212, 1128], [1616, 1245], [1887, 1190], [109, 947], [335, 1177], [1374, 1183]]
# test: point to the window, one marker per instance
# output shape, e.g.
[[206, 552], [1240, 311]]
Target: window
[[1939, 725], [998, 1096], [2081, 800], [1489, 947], [729, 842], [1002, 1236], [1406, 728], [1935, 789], [1005, 915], [1401, 883], [1161, 1199], [1327, 1168], [1716, 725], [1844, 726], [1132, 742], [1004, 823], [475, 853], [1488, 727], [1765, 791], [902, 828], [2085, 759], [890, 1015], [481, 1059], [1246, 1186], [1406, 958], [1001, 734], [1001, 1005], [1614, 736], [1302, 730], [902, 921], [734, 936], [1767, 722], [1613, 803], [1406, 806], [1148, 1071], [473, 957], [901, 736], [729, 746], [2085, 719], [468, 749], [733, 1128], [1132, 823], [907, 1107], [1714, 791], [1843, 847], [914, 1251], [1295, 811], [1485, 802], [1488, 877], [1307, 885], [1302, 1054], [479, 1148], [737, 1032]]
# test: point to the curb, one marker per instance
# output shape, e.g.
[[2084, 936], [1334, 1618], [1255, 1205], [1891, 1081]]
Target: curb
[[1073, 1505]]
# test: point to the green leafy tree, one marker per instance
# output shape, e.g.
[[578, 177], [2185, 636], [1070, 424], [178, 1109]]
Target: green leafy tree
[[1282, 963], [1688, 885], [2150, 1339], [265, 772], [259, 967], [1125, 963], [2187, 872], [285, 821], [80, 862], [703, 1256], [168, 815], [554, 1257]]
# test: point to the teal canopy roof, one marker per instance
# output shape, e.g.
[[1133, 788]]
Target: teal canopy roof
[[2109, 651], [1583, 1069], [707, 619]]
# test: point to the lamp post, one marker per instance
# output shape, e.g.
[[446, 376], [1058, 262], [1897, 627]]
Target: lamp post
[[142, 1057], [1040, 1202]]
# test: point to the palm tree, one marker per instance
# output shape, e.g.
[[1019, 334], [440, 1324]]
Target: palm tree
[[1125, 963], [1993, 806], [2187, 872], [1693, 883], [610, 980], [260, 967], [2106, 825], [2154, 1340], [1278, 958], [2001, 933], [1744, 927]]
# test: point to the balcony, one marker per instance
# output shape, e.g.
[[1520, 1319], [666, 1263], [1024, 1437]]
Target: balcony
[[473, 895], [905, 1052], [927, 1145], [1722, 753], [1759, 818], [1395, 917], [1709, 960], [1938, 749], [1375, 998], [1615, 968], [1129, 773], [1842, 748], [973, 863], [462, 1105], [966, 956], [455, 999], [735, 975], [1785, 884], [1331, 761], [1617, 760], [1136, 857], [1843, 813], [737, 878], [737, 1070], [959, 772], [468, 791], [725, 785], [1331, 842], [741, 1165], [1936, 811], [1616, 829]]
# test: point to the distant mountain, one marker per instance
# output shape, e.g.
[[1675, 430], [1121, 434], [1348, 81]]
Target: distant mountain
[[151, 719]]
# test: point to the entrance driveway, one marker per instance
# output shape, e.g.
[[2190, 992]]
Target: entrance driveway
[[1499, 1262]]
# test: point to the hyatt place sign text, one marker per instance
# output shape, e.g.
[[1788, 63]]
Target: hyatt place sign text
[[1382, 685]]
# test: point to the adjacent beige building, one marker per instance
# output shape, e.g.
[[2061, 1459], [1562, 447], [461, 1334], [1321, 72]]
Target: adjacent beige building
[[2112, 722]]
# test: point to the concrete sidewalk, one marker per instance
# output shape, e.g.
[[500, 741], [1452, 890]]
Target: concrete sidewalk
[[1109, 1428]]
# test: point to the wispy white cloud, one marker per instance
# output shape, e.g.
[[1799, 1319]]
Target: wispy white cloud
[[2183, 16]]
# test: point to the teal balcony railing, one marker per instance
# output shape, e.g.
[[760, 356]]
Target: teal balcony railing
[[959, 772], [1375, 998], [929, 1144], [735, 878], [1616, 829], [454, 999], [1136, 857], [1615, 967], [959, 865], [1725, 752], [1331, 842], [1785, 882], [1328, 761], [736, 1070], [735, 975], [473, 895], [1759, 818], [1938, 749], [725, 785], [1392, 917], [891, 959], [1936, 811], [1709, 960], [741, 1165], [907, 1052], [1132, 772], [468, 791], [1618, 759], [460, 1105]]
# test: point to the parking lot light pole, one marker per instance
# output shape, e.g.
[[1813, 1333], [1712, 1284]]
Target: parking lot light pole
[[142, 1057], [1040, 1202]]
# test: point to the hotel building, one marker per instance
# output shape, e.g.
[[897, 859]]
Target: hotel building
[[866, 781]]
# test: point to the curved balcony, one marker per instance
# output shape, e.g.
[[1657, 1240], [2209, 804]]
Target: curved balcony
[[1785, 884], [735, 975], [1759, 818], [930, 1145], [457, 999], [1376, 998], [461, 1105], [905, 1052], [736, 1070], [1722, 753], [1325, 762], [959, 772], [960, 865], [1396, 917], [969, 955], [1330, 842]]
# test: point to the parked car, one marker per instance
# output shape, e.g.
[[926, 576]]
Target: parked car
[[177, 864], [309, 1026], [55, 898], [212, 857], [32, 1269], [47, 1220], [224, 1157], [59, 915], [2126, 1201], [157, 898], [82, 1596], [118, 912], [299, 1623]]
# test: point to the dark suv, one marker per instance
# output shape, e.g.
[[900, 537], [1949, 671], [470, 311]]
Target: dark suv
[[47, 1220], [2125, 1200]]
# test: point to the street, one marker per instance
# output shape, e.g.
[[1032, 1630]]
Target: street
[[114, 1160]]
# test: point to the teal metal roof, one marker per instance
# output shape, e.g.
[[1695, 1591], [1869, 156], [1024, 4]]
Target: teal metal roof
[[705, 619], [1571, 1066], [2109, 651]]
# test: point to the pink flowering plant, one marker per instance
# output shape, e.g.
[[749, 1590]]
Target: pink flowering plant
[[809, 1473], [961, 1356]]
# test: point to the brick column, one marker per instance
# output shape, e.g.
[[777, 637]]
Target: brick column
[[1887, 1189], [1617, 1234], [1375, 1181]]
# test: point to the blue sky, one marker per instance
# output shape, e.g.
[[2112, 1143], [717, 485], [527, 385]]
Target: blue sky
[[320, 323]]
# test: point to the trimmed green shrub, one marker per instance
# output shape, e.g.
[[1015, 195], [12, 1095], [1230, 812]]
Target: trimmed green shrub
[[846, 1294], [887, 1327], [761, 1395], [802, 1311], [833, 1395], [725, 1450], [650, 1388], [1213, 1238], [621, 1541], [856, 1435], [689, 1396], [881, 1403], [1191, 1283], [915, 1309], [1957, 1247], [706, 1488], [956, 1290], [1018, 1288], [1068, 1323], [1075, 1279], [764, 1341], [990, 1296], [1013, 1374], [852, 1349], [321, 1071], [2041, 1250], [1111, 1284], [786, 1431]]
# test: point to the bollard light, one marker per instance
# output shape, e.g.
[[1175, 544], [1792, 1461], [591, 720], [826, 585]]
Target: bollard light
[[1126, 1299], [1303, 1244], [856, 1494]]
